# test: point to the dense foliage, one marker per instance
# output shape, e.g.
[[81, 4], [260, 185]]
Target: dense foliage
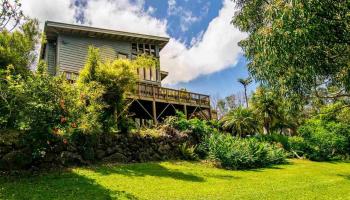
[[17, 47], [240, 122], [117, 78], [237, 153], [298, 47], [326, 136]]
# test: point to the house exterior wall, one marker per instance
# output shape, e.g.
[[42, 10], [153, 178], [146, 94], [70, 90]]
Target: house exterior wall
[[72, 51], [51, 57]]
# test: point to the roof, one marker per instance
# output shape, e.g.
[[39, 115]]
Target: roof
[[52, 29]]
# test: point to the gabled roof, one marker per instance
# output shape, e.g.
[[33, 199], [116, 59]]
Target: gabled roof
[[52, 29]]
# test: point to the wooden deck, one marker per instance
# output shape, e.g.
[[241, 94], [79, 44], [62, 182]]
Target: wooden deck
[[151, 92]]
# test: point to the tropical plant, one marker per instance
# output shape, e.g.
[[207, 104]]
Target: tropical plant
[[117, 78], [238, 153], [187, 152], [240, 121], [267, 107], [245, 83]]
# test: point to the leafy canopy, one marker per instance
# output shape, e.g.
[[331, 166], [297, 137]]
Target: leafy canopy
[[298, 47], [117, 77], [240, 121], [17, 47]]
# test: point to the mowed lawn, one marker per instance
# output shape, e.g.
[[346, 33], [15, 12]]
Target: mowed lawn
[[301, 179]]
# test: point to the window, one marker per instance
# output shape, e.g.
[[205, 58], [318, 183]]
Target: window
[[153, 50], [134, 47], [140, 50], [147, 49], [71, 76]]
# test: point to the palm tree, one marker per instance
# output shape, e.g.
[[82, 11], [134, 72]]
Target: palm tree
[[245, 83], [267, 108], [240, 121]]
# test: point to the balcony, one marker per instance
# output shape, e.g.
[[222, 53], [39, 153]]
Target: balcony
[[151, 92]]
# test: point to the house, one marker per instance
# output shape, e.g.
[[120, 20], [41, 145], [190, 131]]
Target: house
[[66, 52]]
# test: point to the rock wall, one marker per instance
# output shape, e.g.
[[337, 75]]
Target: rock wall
[[85, 149]]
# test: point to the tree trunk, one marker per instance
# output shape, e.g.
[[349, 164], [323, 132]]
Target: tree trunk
[[245, 95]]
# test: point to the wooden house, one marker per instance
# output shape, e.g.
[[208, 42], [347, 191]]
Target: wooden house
[[66, 51]]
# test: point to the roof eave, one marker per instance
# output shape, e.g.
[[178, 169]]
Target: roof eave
[[162, 41]]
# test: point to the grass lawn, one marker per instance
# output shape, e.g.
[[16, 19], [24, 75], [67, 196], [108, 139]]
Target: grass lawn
[[300, 179]]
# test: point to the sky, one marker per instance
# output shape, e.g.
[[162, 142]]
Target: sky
[[203, 53]]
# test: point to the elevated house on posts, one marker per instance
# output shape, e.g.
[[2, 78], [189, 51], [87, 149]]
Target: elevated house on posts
[[66, 51]]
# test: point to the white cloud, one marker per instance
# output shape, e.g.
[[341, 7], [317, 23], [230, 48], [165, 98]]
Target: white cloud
[[186, 16], [124, 15], [212, 51], [217, 50], [43, 10]]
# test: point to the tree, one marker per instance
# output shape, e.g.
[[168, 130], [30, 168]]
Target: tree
[[117, 77], [10, 14], [300, 47], [267, 108], [245, 83], [17, 47], [240, 121]]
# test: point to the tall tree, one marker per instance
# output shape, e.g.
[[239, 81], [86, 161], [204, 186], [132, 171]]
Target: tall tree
[[299, 47], [245, 83]]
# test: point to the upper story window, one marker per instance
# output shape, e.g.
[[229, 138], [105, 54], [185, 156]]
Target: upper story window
[[70, 76], [141, 48]]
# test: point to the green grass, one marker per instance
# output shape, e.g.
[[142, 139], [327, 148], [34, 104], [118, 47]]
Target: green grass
[[300, 179]]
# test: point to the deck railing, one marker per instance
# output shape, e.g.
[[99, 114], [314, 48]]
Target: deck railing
[[168, 94]]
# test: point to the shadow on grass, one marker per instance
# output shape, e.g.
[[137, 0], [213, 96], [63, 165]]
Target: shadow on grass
[[346, 176], [277, 166], [67, 185], [224, 177], [146, 169]]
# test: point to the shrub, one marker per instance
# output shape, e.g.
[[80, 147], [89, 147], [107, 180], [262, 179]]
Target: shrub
[[236, 153], [240, 122], [198, 128], [297, 146], [187, 152], [275, 138], [325, 140]]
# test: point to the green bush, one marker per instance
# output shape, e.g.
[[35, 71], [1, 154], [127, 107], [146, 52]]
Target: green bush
[[198, 128], [297, 146], [325, 140], [187, 152], [275, 138], [236, 153]]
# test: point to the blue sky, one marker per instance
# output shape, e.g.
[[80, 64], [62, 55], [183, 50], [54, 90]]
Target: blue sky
[[222, 83], [203, 53]]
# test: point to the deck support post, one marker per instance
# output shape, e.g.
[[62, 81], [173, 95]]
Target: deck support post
[[185, 111], [154, 109]]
